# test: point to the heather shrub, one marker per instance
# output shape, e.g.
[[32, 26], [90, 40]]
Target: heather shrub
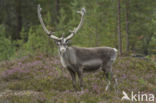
[[45, 75]]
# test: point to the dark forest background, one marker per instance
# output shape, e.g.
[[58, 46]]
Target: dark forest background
[[128, 25]]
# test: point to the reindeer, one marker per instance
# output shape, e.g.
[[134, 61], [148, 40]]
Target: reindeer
[[80, 59]]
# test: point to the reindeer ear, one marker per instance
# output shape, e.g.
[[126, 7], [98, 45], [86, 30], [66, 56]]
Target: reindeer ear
[[57, 42]]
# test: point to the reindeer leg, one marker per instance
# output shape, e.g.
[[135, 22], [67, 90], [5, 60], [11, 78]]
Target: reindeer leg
[[106, 74], [108, 84], [111, 77], [109, 74], [104, 71], [73, 75], [80, 75], [115, 80]]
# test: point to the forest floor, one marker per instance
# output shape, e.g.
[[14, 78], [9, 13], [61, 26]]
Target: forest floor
[[41, 79]]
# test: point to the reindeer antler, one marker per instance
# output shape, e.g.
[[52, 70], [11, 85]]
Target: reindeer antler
[[50, 33]]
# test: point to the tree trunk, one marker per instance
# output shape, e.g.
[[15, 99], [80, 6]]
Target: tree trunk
[[119, 30], [19, 20], [127, 25]]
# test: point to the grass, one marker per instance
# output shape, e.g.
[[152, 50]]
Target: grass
[[41, 79]]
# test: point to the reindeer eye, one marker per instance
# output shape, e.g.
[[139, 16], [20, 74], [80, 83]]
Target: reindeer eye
[[58, 43]]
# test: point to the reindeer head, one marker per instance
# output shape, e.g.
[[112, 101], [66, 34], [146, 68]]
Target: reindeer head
[[62, 42]]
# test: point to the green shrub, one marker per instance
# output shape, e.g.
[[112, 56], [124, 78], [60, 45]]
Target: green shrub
[[38, 42], [6, 46]]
